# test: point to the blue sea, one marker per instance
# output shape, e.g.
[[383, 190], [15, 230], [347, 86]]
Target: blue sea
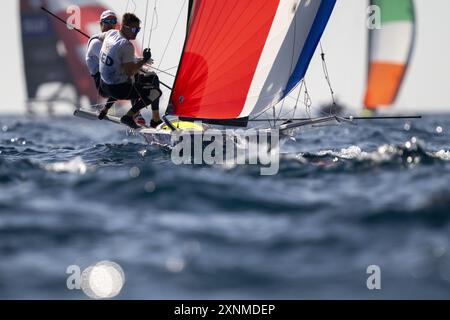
[[74, 192]]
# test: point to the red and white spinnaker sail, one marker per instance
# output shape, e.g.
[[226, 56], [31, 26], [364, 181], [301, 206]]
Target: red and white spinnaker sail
[[242, 56]]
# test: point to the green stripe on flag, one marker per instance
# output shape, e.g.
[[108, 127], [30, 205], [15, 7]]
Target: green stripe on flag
[[395, 10]]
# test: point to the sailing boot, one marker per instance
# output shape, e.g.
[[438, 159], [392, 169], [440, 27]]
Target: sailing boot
[[129, 121], [155, 124]]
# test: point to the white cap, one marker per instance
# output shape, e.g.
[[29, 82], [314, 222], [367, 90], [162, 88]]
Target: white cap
[[108, 13]]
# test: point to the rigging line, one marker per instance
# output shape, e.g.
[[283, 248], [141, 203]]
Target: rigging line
[[295, 109], [281, 110], [263, 112], [282, 117], [272, 106], [164, 72], [292, 98], [350, 118], [298, 98], [154, 14], [285, 117], [307, 101], [145, 24], [171, 35], [327, 76], [65, 22], [170, 68], [128, 4], [292, 58], [274, 118]]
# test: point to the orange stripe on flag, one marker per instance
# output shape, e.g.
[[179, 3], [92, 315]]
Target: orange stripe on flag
[[384, 84]]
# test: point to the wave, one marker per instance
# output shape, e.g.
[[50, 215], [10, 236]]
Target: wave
[[413, 152]]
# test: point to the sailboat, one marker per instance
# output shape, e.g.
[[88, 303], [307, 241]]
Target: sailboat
[[390, 51], [240, 59], [54, 65]]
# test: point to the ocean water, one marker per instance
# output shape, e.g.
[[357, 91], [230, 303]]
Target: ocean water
[[74, 192]]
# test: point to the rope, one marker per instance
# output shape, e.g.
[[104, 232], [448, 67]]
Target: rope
[[307, 101], [298, 98], [154, 15], [128, 4], [327, 77], [270, 107], [145, 24], [171, 35], [164, 72], [292, 60]]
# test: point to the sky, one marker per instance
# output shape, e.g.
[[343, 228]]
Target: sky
[[426, 87]]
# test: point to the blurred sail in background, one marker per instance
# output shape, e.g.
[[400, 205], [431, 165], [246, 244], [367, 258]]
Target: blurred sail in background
[[54, 55], [390, 50]]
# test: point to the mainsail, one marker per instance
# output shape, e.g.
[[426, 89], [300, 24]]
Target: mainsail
[[242, 56], [390, 50], [53, 53]]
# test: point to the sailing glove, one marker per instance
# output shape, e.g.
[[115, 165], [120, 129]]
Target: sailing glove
[[147, 54]]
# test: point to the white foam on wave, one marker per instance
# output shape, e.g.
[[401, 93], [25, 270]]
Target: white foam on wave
[[382, 154], [352, 152], [443, 155], [73, 166]]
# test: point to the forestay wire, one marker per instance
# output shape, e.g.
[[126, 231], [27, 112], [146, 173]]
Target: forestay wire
[[327, 77]]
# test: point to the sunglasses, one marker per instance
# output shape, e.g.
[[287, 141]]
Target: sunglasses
[[134, 30], [110, 21]]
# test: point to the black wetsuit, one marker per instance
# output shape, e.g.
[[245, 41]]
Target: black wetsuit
[[144, 92]]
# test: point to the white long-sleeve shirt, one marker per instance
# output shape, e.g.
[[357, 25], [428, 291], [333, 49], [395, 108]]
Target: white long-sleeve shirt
[[116, 51], [93, 55]]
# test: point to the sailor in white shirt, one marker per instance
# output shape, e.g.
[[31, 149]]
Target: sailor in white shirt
[[108, 21], [119, 67]]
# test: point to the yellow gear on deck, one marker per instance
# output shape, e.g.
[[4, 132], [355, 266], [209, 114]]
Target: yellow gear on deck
[[367, 112], [185, 125]]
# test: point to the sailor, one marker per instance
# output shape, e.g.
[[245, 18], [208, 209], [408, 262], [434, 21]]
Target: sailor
[[108, 21], [119, 67]]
